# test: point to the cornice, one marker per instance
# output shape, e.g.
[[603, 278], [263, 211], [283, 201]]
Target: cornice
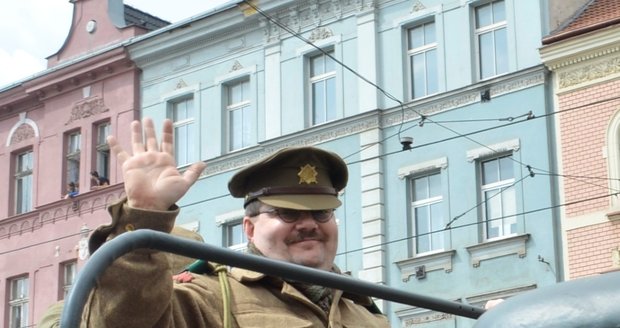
[[62, 210], [580, 61], [300, 17], [464, 97], [375, 119], [73, 76], [589, 72], [581, 49], [311, 136], [149, 53]]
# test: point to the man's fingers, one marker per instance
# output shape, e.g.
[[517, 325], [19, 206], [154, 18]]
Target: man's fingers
[[167, 138], [193, 172], [149, 135], [137, 144], [117, 150]]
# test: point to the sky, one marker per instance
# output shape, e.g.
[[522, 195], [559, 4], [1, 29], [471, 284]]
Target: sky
[[31, 30]]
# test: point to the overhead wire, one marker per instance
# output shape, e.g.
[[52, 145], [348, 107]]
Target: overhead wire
[[423, 119], [477, 222]]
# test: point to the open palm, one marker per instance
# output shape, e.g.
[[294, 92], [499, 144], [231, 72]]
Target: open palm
[[151, 178]]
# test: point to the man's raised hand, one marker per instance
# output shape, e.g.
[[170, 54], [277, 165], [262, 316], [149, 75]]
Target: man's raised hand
[[151, 178]]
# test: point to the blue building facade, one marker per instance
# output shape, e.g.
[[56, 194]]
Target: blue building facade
[[441, 110]]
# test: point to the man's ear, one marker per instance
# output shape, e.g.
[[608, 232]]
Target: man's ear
[[248, 227]]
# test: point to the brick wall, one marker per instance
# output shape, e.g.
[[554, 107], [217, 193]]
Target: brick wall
[[584, 120], [589, 248], [583, 131]]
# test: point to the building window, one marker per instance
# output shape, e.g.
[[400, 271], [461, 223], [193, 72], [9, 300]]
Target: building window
[[241, 115], [183, 114], [235, 237], [102, 161], [73, 140], [422, 54], [323, 88], [23, 182], [491, 38], [68, 274], [499, 197], [18, 303], [428, 220]]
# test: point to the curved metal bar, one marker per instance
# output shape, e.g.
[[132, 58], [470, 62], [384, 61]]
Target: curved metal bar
[[127, 242]]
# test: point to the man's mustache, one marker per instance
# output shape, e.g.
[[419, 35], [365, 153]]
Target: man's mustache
[[305, 235]]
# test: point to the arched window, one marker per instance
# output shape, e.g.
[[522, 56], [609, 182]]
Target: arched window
[[613, 156]]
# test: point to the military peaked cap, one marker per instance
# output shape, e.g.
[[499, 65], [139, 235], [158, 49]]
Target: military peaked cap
[[302, 178]]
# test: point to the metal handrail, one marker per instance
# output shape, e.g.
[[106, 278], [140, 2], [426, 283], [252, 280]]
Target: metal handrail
[[150, 239]]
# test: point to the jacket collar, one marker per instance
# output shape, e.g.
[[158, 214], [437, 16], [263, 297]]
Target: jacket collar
[[243, 275]]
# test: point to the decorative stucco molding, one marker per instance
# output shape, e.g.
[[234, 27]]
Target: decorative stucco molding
[[422, 317], [306, 14], [60, 211], [22, 133], [236, 66], [229, 217], [585, 74], [431, 262], [417, 6], [87, 108], [310, 136], [512, 145], [23, 129], [463, 98], [320, 34], [439, 163], [498, 248], [180, 85]]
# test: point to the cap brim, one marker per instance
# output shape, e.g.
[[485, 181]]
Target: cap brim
[[302, 202]]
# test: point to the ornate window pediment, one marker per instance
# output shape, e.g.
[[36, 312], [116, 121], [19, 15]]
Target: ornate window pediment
[[87, 108]]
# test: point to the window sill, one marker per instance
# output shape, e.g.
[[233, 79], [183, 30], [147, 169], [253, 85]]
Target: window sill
[[497, 248], [435, 261], [613, 215]]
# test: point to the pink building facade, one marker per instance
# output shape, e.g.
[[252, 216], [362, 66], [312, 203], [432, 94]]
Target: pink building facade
[[584, 58], [52, 129]]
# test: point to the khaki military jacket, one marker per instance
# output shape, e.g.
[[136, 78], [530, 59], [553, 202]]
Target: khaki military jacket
[[137, 291]]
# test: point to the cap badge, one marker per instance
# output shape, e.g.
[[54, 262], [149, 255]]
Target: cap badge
[[307, 174]]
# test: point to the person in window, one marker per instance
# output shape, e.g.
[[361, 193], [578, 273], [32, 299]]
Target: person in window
[[289, 202], [72, 190], [97, 181]]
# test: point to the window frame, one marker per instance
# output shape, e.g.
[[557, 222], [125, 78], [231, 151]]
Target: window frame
[[497, 188], [21, 303], [322, 78], [186, 123], [102, 149], [23, 204], [425, 49], [228, 229], [247, 109], [226, 220], [73, 154], [613, 157], [66, 285], [427, 202], [492, 28]]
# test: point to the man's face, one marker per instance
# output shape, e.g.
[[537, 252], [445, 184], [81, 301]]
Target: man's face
[[305, 241]]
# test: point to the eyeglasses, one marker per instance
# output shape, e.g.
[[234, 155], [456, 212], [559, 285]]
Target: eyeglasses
[[291, 216]]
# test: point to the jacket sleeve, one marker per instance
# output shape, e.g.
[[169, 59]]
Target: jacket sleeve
[[136, 290]]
